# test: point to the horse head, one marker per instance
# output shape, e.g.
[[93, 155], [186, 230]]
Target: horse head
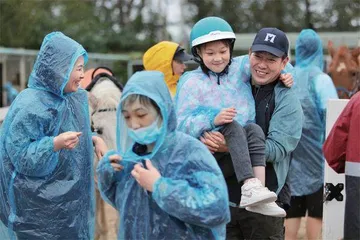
[[104, 99], [344, 69]]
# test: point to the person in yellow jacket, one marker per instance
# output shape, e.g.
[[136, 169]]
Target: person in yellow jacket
[[168, 58]]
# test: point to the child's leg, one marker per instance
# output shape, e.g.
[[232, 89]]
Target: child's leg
[[237, 143], [256, 144], [247, 150]]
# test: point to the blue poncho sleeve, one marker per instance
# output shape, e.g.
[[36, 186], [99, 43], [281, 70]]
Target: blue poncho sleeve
[[30, 149], [195, 197], [193, 117]]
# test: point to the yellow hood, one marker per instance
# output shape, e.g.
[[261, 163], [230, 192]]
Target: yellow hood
[[159, 57]]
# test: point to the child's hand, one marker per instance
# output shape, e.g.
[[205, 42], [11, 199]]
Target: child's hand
[[287, 79], [225, 116], [146, 177], [67, 140], [114, 161], [100, 146]]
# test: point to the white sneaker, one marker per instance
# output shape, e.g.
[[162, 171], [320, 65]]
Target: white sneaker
[[269, 209], [254, 193]]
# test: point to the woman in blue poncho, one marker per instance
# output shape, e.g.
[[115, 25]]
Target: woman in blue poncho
[[46, 150], [166, 184]]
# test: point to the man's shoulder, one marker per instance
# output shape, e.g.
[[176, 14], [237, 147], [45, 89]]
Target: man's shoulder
[[285, 95]]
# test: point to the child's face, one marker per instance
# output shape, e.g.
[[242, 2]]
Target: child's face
[[76, 76], [215, 55], [138, 115]]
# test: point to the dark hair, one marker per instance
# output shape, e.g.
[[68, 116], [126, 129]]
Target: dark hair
[[144, 100]]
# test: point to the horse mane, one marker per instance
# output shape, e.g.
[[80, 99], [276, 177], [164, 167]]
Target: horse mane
[[107, 94]]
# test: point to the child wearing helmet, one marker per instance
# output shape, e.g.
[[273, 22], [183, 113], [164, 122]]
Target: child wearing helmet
[[168, 58], [217, 97]]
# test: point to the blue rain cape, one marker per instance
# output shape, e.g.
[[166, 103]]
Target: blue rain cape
[[313, 88], [47, 194], [200, 97], [11, 93], [189, 201]]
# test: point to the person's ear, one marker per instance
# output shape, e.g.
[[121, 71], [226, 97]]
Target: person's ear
[[198, 51], [250, 52], [284, 62]]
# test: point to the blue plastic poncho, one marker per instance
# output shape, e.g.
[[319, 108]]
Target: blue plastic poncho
[[11, 93], [313, 88], [189, 201], [46, 194], [200, 97]]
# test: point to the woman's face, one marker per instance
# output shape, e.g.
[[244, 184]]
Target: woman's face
[[138, 115], [76, 76]]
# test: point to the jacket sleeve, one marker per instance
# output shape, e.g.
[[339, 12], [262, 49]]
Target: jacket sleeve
[[108, 178], [193, 119], [285, 127], [198, 194], [30, 150], [334, 147]]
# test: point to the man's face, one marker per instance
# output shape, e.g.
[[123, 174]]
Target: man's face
[[265, 67]]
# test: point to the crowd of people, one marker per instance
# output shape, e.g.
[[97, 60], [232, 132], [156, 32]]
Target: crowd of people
[[230, 150]]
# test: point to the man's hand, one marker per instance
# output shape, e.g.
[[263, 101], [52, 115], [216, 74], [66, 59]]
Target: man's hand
[[146, 177], [287, 79], [67, 140], [226, 115], [100, 146], [214, 141], [221, 142]]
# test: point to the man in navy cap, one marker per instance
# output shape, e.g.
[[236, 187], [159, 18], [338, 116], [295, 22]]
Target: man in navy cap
[[279, 114]]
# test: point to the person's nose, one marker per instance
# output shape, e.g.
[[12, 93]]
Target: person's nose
[[135, 124], [217, 58], [261, 64], [183, 66]]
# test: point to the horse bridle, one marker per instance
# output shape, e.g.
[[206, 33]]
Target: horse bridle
[[356, 86], [101, 75], [93, 83], [100, 130]]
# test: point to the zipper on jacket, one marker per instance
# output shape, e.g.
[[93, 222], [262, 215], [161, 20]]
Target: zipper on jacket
[[218, 80]]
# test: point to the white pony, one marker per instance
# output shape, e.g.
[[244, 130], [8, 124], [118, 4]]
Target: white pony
[[104, 97]]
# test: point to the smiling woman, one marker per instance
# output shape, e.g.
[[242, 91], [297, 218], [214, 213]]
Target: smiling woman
[[76, 76], [46, 150]]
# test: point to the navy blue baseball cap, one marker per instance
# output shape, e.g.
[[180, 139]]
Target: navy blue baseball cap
[[271, 40]]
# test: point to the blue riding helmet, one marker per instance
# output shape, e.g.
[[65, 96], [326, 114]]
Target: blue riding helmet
[[210, 29]]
